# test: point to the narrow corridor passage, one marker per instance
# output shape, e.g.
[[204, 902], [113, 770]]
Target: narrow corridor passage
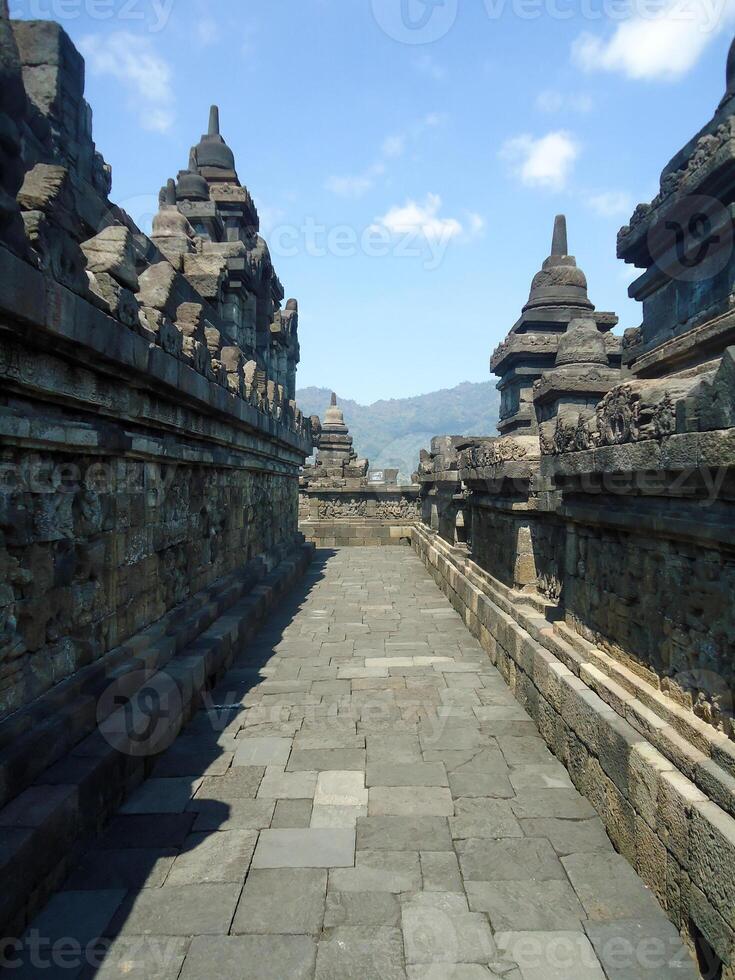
[[365, 800]]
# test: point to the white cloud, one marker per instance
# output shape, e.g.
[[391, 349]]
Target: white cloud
[[610, 204], [425, 64], [476, 223], [423, 218], [357, 185], [546, 161], [659, 44], [394, 146], [550, 100], [145, 75], [207, 31]]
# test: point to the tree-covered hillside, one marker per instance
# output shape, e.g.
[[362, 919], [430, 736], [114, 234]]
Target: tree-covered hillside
[[391, 433]]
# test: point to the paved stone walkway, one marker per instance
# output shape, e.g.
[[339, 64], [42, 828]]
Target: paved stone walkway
[[375, 804]]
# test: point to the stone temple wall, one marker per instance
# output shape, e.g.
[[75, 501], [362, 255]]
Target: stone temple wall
[[149, 442], [590, 546], [370, 515]]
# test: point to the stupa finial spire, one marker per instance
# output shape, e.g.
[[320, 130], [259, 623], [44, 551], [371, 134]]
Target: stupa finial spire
[[559, 244], [213, 121], [334, 398]]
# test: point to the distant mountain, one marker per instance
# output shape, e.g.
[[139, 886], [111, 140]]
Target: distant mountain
[[391, 433]]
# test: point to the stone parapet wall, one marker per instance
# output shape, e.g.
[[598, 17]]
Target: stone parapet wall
[[631, 547], [356, 534], [366, 515], [149, 441], [128, 484], [661, 779]]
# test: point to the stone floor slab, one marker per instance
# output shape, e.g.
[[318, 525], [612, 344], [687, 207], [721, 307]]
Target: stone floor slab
[[361, 953], [251, 957], [140, 958], [641, 949], [458, 971], [343, 789], [337, 816], [280, 785], [126, 869], [470, 782], [566, 804], [551, 955], [483, 818], [379, 871], [569, 836], [262, 751], [289, 901], [609, 888], [361, 909], [79, 917], [237, 815], [314, 847], [236, 784], [509, 860], [526, 906], [414, 833], [213, 858], [162, 796], [406, 774], [436, 935], [292, 814], [327, 760], [401, 801], [181, 910], [440, 870]]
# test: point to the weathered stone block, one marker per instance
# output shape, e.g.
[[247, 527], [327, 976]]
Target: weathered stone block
[[712, 856]]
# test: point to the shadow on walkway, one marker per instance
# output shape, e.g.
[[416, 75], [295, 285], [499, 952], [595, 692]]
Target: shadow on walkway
[[168, 830]]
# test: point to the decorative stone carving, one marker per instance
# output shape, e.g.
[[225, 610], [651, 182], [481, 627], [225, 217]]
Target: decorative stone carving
[[340, 508], [618, 417], [492, 453], [550, 586], [403, 509]]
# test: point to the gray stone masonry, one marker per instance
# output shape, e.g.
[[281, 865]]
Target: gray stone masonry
[[372, 804]]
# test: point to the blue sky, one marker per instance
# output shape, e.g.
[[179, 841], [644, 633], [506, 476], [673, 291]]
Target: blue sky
[[408, 173]]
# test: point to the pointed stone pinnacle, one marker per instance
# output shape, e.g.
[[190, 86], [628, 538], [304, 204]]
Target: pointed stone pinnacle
[[334, 398], [170, 191], [559, 240], [730, 74], [213, 121]]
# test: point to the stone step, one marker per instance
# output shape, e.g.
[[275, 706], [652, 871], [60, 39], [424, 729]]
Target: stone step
[[48, 728]]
